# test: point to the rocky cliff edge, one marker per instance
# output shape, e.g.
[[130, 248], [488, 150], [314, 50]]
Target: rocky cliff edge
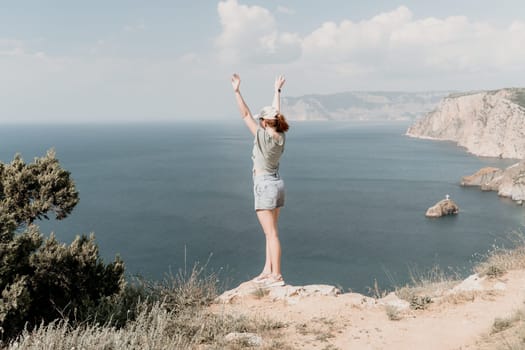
[[487, 123]]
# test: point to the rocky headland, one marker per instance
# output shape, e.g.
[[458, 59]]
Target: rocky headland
[[509, 182], [486, 123]]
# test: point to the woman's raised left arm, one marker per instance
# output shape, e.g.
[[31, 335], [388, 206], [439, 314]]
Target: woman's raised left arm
[[279, 82]]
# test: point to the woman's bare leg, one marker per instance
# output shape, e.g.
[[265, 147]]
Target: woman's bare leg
[[268, 220], [268, 264]]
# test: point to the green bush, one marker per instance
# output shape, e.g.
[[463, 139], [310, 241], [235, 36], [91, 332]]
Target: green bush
[[41, 279], [518, 97]]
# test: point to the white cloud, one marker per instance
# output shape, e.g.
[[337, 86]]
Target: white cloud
[[11, 47], [285, 10], [393, 42], [391, 51], [349, 40], [14, 51], [396, 41], [249, 34]]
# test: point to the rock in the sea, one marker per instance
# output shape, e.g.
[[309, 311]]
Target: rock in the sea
[[442, 208], [508, 183]]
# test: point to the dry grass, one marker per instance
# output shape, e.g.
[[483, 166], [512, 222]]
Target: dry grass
[[376, 292], [506, 333], [501, 324], [426, 286], [500, 259], [461, 297], [174, 316], [260, 293], [330, 347], [155, 328], [518, 97], [393, 313], [320, 329]]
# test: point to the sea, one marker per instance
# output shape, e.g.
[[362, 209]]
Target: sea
[[167, 197]]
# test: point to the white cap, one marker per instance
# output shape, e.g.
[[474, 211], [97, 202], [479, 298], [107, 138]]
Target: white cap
[[268, 112]]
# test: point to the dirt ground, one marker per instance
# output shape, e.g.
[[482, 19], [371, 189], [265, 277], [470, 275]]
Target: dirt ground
[[349, 321]]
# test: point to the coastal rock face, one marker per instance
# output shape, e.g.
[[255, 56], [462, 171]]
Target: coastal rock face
[[488, 123], [513, 182], [486, 178], [442, 208], [508, 183]]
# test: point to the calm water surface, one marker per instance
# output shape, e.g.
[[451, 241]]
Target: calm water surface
[[356, 198]]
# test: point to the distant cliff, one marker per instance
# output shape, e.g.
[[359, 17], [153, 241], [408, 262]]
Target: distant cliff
[[486, 123], [361, 105]]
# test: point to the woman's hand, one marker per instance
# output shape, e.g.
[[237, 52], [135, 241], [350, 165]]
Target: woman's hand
[[279, 82], [236, 82]]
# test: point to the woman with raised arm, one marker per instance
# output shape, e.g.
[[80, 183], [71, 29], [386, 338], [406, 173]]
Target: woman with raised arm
[[268, 187]]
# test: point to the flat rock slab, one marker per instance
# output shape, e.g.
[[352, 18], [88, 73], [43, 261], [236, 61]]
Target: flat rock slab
[[393, 300], [287, 292]]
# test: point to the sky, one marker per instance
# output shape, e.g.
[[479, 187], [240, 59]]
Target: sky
[[159, 60]]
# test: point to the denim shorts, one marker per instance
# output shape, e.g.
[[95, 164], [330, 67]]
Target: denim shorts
[[268, 191]]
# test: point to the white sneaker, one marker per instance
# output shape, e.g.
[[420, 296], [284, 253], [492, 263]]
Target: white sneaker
[[261, 278], [273, 281]]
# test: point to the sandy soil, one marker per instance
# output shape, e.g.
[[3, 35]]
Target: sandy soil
[[349, 321]]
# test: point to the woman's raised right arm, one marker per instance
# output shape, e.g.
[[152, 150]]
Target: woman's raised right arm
[[243, 107]]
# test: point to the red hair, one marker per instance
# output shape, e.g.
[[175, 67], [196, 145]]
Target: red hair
[[279, 124]]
